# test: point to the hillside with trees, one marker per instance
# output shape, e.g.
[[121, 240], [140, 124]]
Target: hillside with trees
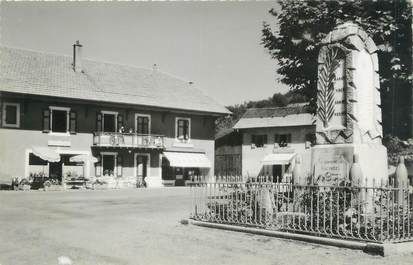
[[277, 100]]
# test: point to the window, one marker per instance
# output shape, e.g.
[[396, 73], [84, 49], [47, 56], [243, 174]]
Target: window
[[282, 139], [11, 115], [57, 120], [108, 121], [143, 124], [183, 129], [259, 140], [108, 164]]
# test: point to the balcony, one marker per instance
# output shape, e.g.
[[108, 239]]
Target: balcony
[[128, 140]]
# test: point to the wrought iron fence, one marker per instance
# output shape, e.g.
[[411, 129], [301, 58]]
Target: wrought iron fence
[[381, 212]]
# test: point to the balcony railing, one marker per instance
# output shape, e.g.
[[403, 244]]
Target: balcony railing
[[128, 140]]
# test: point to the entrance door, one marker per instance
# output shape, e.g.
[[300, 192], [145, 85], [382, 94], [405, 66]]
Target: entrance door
[[141, 169], [55, 171]]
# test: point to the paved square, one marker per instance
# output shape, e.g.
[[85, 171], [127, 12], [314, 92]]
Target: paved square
[[140, 226]]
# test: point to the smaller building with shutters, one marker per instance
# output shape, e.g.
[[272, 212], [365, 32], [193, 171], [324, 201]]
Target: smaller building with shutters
[[266, 141], [68, 119]]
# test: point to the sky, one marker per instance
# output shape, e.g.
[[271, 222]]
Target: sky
[[216, 45]]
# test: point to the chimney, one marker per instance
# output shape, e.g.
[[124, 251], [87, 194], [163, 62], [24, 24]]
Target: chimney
[[77, 57]]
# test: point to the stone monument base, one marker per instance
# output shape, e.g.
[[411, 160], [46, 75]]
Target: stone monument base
[[336, 160]]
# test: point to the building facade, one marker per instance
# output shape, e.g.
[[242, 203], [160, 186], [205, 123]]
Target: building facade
[[65, 116], [269, 140]]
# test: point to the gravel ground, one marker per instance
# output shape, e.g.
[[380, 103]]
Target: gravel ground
[[140, 226]]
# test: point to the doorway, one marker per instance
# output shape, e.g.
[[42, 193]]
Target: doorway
[[55, 171], [141, 167], [277, 172]]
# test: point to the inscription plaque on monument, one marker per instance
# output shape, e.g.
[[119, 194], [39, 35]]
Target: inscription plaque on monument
[[331, 171], [338, 119]]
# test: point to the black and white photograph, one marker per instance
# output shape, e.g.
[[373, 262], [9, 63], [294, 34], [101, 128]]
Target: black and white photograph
[[206, 132]]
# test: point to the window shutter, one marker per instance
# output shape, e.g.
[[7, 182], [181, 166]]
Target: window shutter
[[73, 122], [119, 165], [120, 121], [46, 120], [98, 122], [1, 114], [187, 130]]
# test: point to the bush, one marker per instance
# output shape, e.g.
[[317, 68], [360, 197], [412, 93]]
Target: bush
[[397, 148]]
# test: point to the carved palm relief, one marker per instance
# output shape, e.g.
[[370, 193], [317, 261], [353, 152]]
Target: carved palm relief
[[348, 95]]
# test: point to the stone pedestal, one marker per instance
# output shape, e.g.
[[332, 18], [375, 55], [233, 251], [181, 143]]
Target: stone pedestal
[[333, 162]]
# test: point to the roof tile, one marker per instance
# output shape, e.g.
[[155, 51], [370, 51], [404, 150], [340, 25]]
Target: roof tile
[[291, 115], [36, 73]]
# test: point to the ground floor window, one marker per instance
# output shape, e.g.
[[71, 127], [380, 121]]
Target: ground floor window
[[37, 166], [108, 164], [54, 171], [184, 174], [177, 176]]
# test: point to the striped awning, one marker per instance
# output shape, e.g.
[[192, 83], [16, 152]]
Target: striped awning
[[181, 159], [278, 159], [46, 153]]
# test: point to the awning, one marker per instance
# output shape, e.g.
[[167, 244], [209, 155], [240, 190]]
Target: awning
[[181, 159], [278, 159], [46, 153], [83, 158]]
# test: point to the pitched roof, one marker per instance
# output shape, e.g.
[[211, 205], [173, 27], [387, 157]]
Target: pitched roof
[[291, 115], [36, 73]]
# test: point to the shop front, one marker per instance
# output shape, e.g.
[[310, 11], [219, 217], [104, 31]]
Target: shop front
[[279, 166], [180, 167]]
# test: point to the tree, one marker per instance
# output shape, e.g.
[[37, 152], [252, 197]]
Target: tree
[[301, 25], [279, 99]]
